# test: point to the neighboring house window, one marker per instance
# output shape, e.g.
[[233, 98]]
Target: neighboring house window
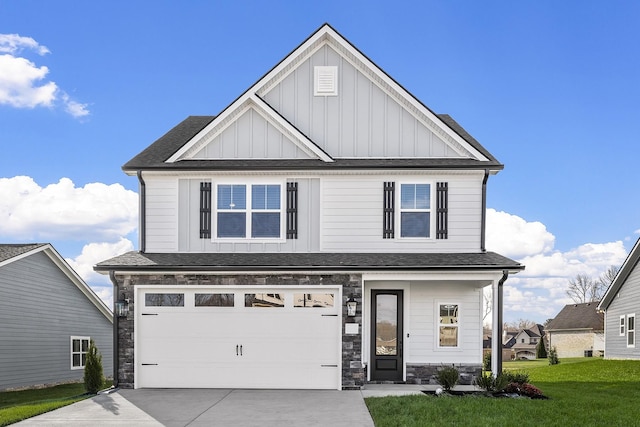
[[415, 210], [79, 349], [249, 211], [522, 340], [622, 325], [631, 330], [448, 325]]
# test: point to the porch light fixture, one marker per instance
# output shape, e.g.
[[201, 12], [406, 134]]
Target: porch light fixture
[[121, 307], [352, 306]]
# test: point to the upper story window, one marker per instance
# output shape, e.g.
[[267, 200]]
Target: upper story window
[[415, 210], [249, 211]]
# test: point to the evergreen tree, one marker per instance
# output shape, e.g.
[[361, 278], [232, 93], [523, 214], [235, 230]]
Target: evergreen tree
[[541, 350], [93, 376]]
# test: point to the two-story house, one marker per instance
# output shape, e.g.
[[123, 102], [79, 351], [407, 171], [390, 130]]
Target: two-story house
[[324, 230]]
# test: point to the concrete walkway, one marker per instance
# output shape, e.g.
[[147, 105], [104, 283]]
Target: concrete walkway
[[212, 407]]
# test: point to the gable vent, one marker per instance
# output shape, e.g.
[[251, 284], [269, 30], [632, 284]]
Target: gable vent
[[325, 81]]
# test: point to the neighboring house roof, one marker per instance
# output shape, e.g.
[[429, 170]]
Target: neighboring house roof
[[174, 150], [578, 316], [627, 267], [13, 252], [137, 261]]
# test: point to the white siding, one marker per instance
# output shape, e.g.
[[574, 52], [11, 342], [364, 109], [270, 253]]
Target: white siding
[[352, 215], [626, 302], [161, 214], [423, 323], [361, 121]]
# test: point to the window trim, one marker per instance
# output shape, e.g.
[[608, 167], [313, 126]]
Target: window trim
[[72, 353], [249, 211], [431, 210], [439, 324], [631, 332]]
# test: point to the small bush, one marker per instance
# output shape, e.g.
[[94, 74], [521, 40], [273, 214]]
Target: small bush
[[448, 377], [489, 383], [526, 389], [553, 356], [93, 376], [519, 377], [486, 361]]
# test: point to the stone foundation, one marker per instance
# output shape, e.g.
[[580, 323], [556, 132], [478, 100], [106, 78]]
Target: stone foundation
[[419, 373]]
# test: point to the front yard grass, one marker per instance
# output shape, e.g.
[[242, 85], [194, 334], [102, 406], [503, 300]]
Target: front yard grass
[[19, 405], [582, 392]]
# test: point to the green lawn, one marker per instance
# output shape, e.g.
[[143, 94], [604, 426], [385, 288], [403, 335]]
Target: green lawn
[[19, 405], [582, 392]]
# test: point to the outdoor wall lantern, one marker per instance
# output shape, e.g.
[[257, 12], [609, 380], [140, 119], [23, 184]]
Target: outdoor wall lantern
[[352, 305], [122, 307]]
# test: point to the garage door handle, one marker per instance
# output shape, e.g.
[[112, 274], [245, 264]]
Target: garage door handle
[[240, 349], [237, 350], [329, 315]]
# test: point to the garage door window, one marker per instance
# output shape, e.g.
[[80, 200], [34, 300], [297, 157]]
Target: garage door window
[[263, 300], [164, 300], [214, 300], [313, 300]]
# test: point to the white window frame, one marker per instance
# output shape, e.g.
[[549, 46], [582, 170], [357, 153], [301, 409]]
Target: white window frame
[[623, 326], [248, 211], [439, 324], [631, 331], [431, 210], [78, 338]]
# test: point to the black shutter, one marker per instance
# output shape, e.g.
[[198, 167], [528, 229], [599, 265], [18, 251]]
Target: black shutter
[[442, 210], [388, 210], [205, 210], [292, 210]]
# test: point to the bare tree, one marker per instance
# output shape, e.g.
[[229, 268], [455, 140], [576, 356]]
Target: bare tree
[[607, 277], [584, 288], [488, 302]]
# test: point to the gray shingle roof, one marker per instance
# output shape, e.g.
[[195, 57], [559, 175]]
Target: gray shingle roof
[[8, 251], [132, 261], [578, 316]]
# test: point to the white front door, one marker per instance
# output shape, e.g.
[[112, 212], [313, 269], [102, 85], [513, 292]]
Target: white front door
[[238, 338]]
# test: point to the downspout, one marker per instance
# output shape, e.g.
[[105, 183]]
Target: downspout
[[142, 237], [116, 364], [483, 222], [505, 275]]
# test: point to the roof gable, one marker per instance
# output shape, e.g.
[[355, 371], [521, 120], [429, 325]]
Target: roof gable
[[578, 316], [10, 253], [629, 265], [283, 132]]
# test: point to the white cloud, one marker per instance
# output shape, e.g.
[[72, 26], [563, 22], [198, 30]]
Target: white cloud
[[92, 254], [23, 84], [539, 292], [64, 211]]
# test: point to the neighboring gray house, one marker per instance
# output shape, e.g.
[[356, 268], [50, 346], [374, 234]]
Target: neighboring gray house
[[324, 230], [621, 304], [47, 316], [577, 331]]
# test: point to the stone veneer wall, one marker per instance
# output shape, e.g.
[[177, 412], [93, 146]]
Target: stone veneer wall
[[418, 373], [352, 369]]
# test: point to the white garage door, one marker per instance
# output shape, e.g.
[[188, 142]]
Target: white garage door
[[238, 338]]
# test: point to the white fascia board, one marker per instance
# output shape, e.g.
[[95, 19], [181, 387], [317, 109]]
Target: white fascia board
[[627, 267]]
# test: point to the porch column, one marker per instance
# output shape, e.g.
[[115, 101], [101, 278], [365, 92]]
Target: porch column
[[496, 339]]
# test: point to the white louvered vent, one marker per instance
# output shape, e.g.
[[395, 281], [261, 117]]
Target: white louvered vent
[[326, 81]]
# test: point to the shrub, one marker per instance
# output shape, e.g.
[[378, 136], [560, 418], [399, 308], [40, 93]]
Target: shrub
[[526, 389], [541, 350], [519, 377], [553, 356], [486, 361], [489, 383], [93, 376], [448, 377]]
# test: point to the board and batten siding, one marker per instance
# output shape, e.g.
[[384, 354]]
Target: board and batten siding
[[626, 302], [40, 309], [352, 215], [423, 322], [361, 121], [161, 214]]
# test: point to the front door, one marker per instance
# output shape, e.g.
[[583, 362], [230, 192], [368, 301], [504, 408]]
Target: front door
[[386, 335]]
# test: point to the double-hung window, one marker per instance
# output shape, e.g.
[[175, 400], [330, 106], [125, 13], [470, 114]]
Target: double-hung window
[[415, 210], [448, 325], [249, 211], [622, 325], [79, 349]]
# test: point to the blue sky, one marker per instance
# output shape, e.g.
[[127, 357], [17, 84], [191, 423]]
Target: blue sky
[[550, 88]]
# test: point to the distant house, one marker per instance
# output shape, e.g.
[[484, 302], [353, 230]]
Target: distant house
[[523, 344], [577, 331], [48, 314], [620, 303]]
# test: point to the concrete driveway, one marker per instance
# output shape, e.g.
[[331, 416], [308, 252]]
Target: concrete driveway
[[212, 407]]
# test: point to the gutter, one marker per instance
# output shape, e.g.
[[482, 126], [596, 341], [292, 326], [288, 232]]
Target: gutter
[[142, 238], [116, 364], [505, 276], [483, 221]]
